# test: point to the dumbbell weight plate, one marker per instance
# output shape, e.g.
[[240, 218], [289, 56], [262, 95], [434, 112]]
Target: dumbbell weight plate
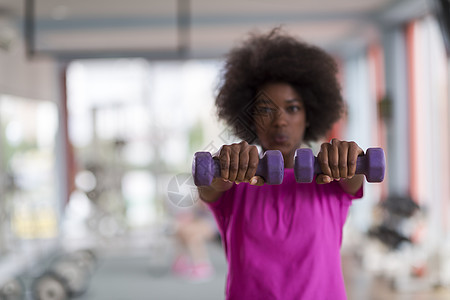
[[49, 286], [76, 277], [12, 290], [85, 259]]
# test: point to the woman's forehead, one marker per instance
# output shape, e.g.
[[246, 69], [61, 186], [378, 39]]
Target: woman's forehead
[[278, 92], [276, 101]]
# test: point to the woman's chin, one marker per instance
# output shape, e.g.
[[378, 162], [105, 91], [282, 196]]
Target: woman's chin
[[285, 148]]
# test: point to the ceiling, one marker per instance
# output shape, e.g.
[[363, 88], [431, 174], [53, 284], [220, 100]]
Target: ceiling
[[196, 28]]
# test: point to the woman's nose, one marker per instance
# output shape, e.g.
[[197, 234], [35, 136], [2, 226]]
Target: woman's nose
[[279, 118]]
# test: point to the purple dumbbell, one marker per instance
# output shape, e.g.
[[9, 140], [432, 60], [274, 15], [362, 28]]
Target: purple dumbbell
[[270, 167], [372, 164]]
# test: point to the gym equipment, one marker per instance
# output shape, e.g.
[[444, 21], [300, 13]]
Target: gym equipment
[[68, 275], [85, 259], [400, 218], [76, 277], [50, 286], [270, 167], [372, 165], [13, 289]]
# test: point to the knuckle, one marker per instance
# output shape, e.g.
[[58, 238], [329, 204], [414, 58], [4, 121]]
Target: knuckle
[[342, 165], [342, 145], [233, 168], [324, 164], [224, 170], [224, 159], [242, 167], [351, 163], [323, 159], [235, 151], [253, 164], [223, 162], [334, 165], [225, 149]]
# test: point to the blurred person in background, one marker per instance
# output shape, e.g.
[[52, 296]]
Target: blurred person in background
[[194, 227]]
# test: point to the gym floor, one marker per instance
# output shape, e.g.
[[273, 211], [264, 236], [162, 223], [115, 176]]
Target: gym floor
[[127, 273]]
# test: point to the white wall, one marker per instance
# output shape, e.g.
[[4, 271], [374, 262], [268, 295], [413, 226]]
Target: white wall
[[361, 128], [29, 78]]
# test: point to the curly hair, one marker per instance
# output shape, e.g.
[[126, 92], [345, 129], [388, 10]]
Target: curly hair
[[278, 57]]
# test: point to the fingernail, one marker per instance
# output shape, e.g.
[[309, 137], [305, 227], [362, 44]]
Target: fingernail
[[253, 181]]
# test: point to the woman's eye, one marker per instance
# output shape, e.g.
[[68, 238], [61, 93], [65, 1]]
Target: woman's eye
[[293, 108], [264, 110]]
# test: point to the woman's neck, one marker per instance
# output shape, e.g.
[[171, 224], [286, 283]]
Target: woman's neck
[[289, 160]]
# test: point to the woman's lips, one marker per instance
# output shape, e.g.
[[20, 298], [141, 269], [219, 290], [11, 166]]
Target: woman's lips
[[280, 138]]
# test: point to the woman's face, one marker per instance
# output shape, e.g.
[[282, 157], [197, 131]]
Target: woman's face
[[280, 119]]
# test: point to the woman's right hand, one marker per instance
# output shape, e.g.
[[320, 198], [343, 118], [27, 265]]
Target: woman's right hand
[[238, 163]]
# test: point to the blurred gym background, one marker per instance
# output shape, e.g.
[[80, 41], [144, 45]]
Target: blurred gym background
[[103, 104]]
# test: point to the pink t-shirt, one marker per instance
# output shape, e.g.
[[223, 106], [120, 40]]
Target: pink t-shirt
[[283, 241]]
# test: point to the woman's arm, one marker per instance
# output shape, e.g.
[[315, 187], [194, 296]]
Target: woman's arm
[[214, 191], [351, 186]]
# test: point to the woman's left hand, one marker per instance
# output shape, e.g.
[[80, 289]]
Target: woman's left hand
[[337, 160]]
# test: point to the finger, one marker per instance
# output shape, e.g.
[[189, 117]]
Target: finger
[[353, 152], [333, 158], [224, 159], [343, 159], [323, 179], [323, 159], [243, 165], [234, 162], [257, 180], [253, 161]]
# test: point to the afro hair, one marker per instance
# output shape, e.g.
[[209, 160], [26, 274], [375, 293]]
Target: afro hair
[[279, 57]]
